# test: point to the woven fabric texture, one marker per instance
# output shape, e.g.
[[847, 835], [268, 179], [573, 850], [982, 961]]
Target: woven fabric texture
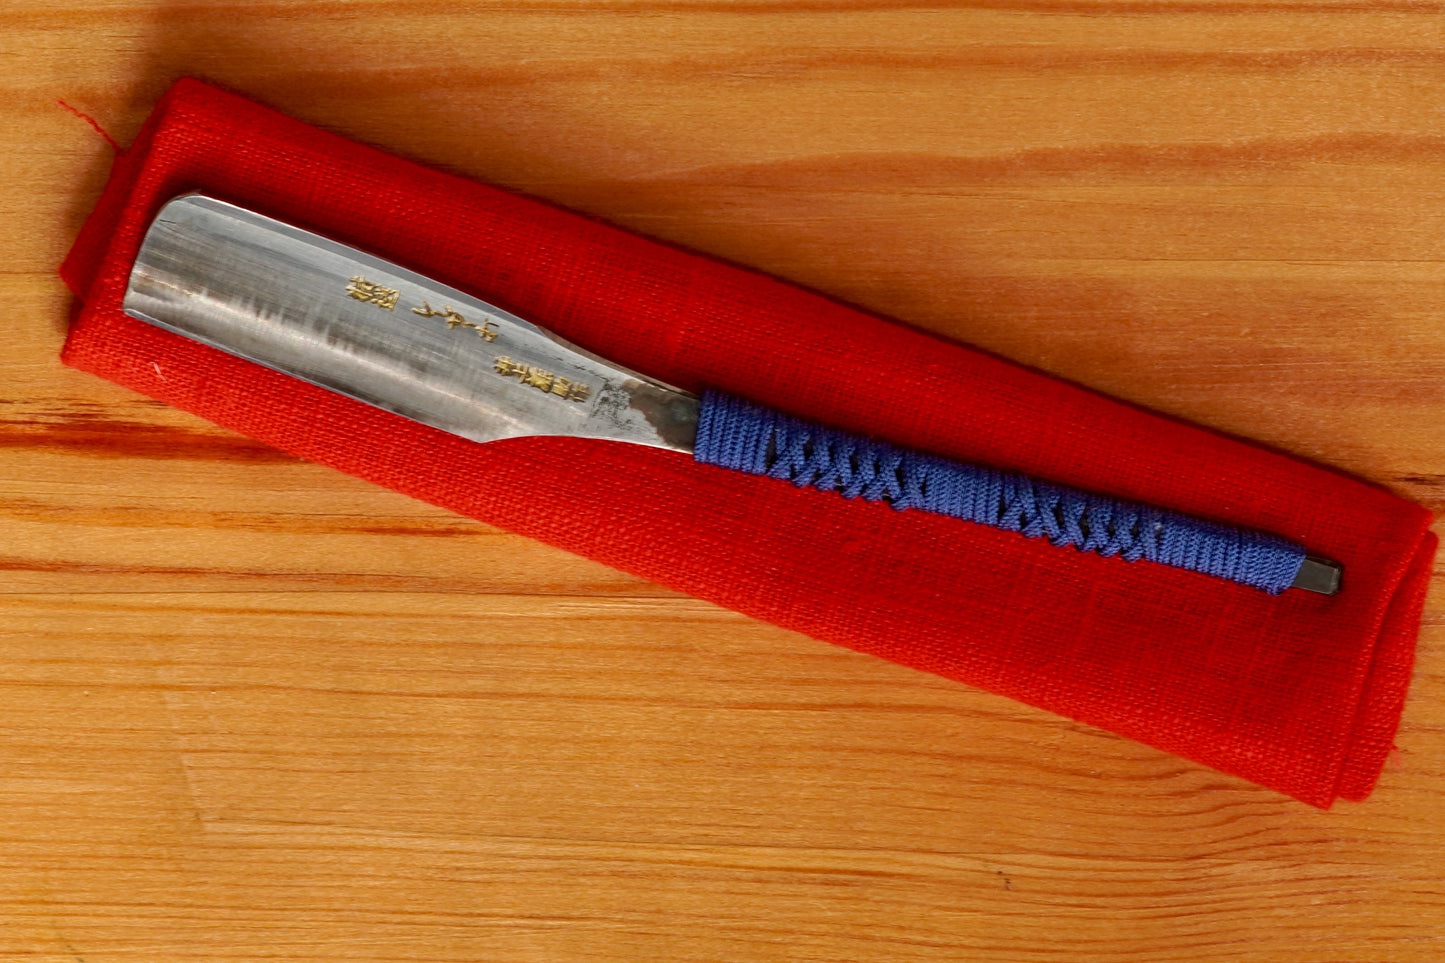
[[1298, 692]]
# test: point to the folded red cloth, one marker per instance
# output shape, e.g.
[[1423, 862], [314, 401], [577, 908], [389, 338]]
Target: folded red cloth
[[1298, 692]]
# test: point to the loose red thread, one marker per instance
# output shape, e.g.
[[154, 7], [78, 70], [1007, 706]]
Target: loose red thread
[[92, 122]]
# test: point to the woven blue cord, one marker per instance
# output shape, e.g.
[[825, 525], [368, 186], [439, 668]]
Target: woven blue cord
[[737, 434]]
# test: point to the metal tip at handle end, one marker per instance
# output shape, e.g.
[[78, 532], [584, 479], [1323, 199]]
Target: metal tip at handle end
[[1318, 575]]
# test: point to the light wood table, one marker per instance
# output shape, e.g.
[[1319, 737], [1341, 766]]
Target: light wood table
[[253, 710]]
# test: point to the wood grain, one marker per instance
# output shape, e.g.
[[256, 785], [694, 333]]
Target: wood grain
[[253, 710]]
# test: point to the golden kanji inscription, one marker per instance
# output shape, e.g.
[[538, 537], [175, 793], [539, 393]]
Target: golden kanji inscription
[[370, 292], [455, 320], [542, 380]]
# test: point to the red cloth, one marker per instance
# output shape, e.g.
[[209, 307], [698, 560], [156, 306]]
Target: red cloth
[[1298, 692]]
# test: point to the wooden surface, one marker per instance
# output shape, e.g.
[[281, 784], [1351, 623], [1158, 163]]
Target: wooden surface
[[253, 710]]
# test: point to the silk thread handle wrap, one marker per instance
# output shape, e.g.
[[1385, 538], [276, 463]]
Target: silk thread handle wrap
[[737, 434]]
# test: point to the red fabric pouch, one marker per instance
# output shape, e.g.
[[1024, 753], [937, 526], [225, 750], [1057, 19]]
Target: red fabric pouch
[[1298, 692]]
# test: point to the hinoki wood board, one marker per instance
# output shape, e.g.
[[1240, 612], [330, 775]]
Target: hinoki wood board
[[254, 710]]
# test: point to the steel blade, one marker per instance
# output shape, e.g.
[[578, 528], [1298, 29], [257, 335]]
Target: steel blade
[[326, 313]]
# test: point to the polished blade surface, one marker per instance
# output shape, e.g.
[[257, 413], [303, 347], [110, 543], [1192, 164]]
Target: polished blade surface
[[331, 315]]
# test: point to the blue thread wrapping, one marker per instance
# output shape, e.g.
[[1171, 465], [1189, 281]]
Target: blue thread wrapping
[[737, 434]]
